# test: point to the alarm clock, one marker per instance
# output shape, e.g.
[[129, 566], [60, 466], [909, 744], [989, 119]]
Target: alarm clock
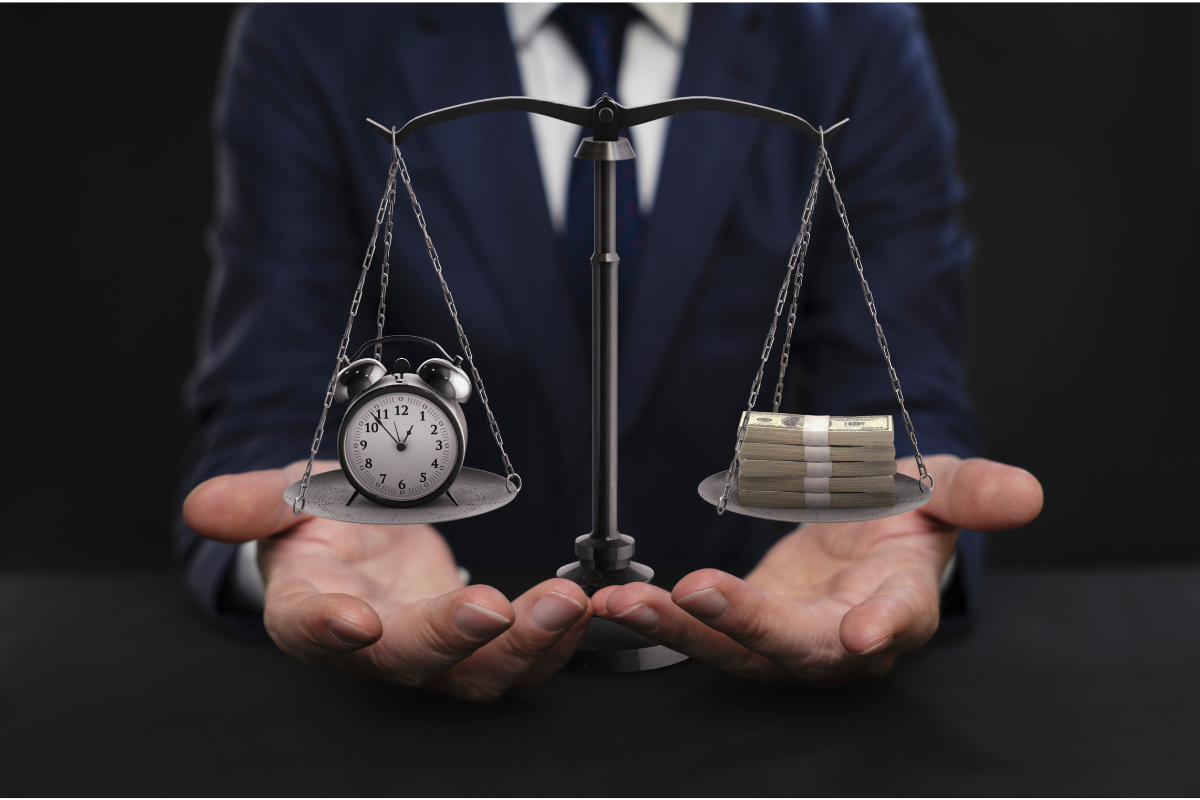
[[404, 436]]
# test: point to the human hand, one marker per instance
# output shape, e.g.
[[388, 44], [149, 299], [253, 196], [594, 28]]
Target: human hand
[[832, 602], [386, 601]]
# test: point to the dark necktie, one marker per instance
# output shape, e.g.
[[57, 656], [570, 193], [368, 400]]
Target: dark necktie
[[597, 30]]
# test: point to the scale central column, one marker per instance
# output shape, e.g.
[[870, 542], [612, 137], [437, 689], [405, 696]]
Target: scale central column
[[606, 555], [605, 272]]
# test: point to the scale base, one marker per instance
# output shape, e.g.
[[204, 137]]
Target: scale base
[[476, 491], [607, 646], [910, 494], [593, 580]]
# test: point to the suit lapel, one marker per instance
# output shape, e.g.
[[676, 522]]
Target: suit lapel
[[704, 158], [490, 165]]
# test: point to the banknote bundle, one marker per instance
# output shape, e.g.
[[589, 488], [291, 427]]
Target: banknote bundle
[[809, 461]]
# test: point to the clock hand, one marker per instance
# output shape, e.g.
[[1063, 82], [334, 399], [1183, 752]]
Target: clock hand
[[400, 445], [385, 430]]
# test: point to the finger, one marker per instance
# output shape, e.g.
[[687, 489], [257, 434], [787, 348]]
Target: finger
[[425, 639], [556, 657], [980, 494], [250, 505], [551, 619], [315, 627], [650, 611], [900, 617], [789, 633]]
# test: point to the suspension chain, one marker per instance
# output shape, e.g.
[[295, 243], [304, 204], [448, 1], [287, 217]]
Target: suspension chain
[[883, 345], [512, 479], [793, 259], [387, 255], [388, 192], [803, 239]]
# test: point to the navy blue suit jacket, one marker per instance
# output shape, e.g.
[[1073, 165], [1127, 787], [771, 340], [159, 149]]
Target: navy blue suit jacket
[[301, 174]]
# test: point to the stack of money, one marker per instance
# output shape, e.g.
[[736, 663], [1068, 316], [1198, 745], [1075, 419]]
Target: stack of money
[[807, 461]]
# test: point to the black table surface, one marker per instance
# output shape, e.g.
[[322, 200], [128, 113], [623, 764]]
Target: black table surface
[[1070, 683]]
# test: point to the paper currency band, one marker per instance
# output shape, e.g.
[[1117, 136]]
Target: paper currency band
[[819, 469], [816, 484], [816, 499], [816, 430], [816, 454]]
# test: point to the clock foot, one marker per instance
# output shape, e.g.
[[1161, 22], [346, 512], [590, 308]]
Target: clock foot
[[351, 500]]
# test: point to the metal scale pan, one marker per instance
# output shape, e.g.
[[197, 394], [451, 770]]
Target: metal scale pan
[[908, 496], [476, 491]]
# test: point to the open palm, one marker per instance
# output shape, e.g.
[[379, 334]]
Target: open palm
[[387, 601], [832, 602]]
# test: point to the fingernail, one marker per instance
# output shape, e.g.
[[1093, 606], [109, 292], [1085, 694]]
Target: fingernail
[[346, 633], [877, 646], [707, 604], [556, 611], [641, 617], [476, 622]]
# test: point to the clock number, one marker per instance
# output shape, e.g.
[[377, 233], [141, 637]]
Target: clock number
[[422, 416], [368, 463], [439, 445], [401, 486], [434, 465], [400, 413], [422, 477], [382, 476], [433, 432], [363, 444], [373, 427], [385, 413]]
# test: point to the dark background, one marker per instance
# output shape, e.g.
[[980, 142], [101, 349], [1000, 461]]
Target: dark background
[[1079, 133]]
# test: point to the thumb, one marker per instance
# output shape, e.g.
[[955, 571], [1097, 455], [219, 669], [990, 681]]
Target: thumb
[[900, 617], [981, 495], [245, 506], [315, 627]]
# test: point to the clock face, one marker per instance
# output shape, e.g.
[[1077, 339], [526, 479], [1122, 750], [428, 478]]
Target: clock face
[[399, 445]]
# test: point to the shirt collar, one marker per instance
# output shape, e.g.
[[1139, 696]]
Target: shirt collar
[[669, 19]]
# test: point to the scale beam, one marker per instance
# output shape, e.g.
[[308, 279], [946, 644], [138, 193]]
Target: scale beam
[[630, 117], [576, 115], [607, 116]]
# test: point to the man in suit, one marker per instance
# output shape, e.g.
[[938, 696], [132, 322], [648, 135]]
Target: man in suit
[[709, 211]]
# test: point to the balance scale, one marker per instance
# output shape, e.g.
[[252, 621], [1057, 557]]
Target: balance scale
[[605, 555]]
